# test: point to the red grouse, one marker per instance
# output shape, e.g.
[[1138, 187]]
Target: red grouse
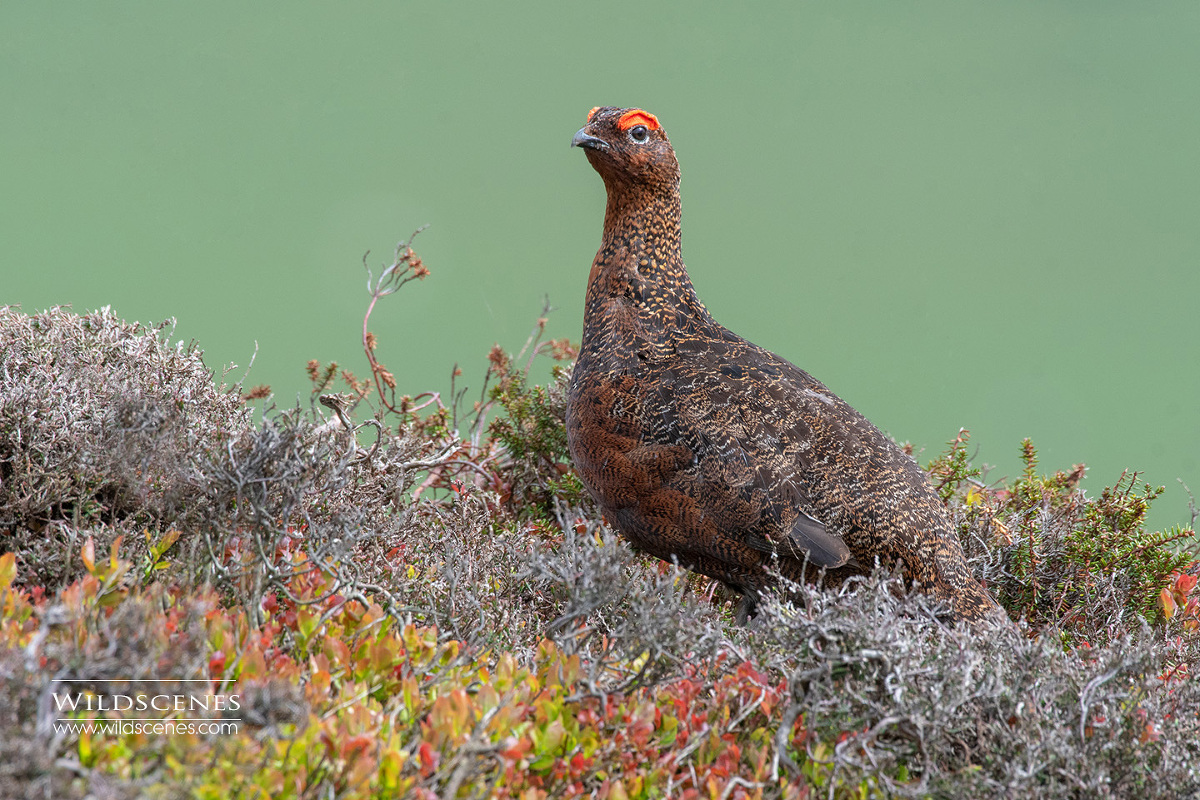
[[704, 448]]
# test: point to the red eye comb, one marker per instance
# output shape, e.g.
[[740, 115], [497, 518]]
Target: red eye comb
[[637, 117], [592, 113]]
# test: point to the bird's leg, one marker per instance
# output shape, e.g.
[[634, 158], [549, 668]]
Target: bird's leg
[[746, 609]]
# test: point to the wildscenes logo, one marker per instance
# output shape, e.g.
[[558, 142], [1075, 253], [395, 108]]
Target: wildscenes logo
[[104, 703], [149, 712]]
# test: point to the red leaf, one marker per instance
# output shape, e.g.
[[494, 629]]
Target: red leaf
[[352, 747], [429, 759]]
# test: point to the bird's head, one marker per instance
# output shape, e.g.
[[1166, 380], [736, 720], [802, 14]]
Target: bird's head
[[628, 147]]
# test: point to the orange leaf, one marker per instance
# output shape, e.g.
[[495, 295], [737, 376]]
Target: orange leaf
[[1167, 602], [516, 749], [253, 664], [88, 554], [112, 556]]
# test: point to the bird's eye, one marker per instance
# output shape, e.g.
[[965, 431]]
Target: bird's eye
[[639, 133]]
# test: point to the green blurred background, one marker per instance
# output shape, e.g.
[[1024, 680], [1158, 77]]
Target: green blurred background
[[954, 214]]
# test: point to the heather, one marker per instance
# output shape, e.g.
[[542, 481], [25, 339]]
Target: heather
[[414, 597]]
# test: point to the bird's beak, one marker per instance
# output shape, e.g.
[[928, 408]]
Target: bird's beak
[[585, 139]]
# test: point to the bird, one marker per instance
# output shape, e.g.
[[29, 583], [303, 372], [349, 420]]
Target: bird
[[702, 448]]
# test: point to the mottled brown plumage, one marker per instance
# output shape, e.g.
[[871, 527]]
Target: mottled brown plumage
[[703, 447]]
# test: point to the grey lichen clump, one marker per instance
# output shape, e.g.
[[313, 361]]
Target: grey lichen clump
[[962, 715], [109, 429], [101, 422]]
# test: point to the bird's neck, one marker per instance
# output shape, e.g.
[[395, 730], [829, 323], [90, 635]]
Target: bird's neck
[[646, 216], [639, 261]]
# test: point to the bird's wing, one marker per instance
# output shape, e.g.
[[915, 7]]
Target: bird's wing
[[822, 547], [746, 467]]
